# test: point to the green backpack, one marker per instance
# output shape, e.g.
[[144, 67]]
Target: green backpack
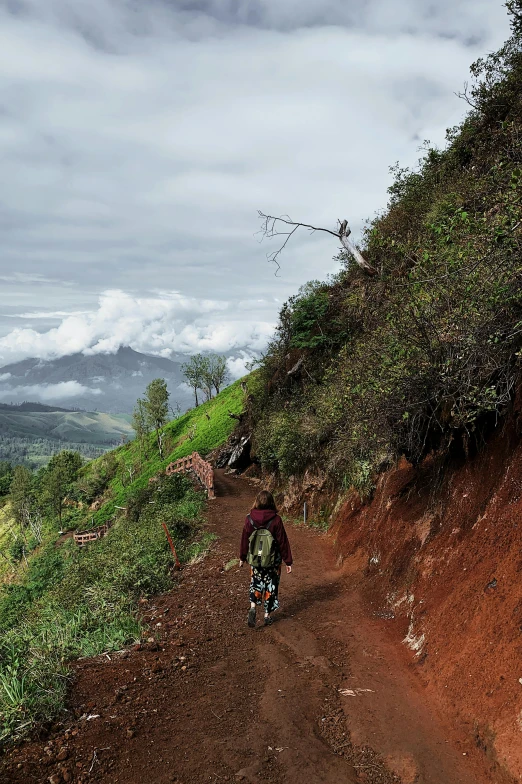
[[261, 546]]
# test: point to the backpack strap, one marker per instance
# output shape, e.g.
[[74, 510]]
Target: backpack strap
[[258, 527]]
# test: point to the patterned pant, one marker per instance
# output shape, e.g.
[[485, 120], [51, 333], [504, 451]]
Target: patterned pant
[[264, 587]]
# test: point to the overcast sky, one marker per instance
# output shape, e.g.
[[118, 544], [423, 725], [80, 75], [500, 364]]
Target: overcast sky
[[138, 139]]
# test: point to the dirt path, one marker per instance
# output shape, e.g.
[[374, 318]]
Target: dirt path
[[214, 701]]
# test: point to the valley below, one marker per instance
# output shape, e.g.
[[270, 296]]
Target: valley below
[[32, 433]]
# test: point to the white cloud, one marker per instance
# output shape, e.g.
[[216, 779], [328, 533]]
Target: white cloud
[[26, 278], [4, 376], [138, 143], [164, 324], [237, 366], [48, 315], [49, 392]]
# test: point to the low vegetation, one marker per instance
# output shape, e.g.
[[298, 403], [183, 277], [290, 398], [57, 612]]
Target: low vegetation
[[425, 353], [61, 602]]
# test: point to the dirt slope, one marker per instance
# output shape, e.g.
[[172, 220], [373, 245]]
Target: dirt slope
[[440, 549], [213, 701]]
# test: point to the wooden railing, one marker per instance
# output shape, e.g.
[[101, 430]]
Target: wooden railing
[[84, 537], [195, 463]]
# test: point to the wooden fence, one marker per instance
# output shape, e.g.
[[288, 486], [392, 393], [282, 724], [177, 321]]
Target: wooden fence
[[84, 537], [194, 463], [202, 469]]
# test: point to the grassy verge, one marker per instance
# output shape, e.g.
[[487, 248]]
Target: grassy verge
[[320, 522], [75, 602], [68, 602]]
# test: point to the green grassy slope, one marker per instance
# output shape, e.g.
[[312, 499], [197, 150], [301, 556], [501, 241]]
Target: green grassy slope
[[72, 426], [67, 602], [6, 537], [201, 429]]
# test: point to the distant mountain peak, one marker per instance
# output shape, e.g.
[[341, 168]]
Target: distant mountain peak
[[121, 377]]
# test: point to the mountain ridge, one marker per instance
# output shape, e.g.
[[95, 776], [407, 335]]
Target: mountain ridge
[[108, 382]]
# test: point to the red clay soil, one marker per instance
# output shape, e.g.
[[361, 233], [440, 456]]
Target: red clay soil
[[324, 695], [442, 556]]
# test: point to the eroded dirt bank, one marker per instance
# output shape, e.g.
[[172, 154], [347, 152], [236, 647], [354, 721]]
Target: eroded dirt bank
[[441, 553], [321, 696]]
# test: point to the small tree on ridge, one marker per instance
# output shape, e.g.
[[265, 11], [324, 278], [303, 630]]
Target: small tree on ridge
[[156, 407]]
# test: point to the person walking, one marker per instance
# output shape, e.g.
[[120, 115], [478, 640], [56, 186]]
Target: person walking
[[264, 546]]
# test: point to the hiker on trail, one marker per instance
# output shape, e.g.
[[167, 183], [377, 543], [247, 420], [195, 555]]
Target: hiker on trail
[[264, 545]]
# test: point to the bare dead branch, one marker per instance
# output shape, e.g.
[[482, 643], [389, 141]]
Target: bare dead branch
[[272, 226], [296, 367], [464, 95]]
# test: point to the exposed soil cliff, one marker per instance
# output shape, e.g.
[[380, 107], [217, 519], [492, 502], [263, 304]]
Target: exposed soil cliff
[[441, 552]]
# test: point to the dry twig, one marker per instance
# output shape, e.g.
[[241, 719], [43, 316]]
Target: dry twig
[[272, 226]]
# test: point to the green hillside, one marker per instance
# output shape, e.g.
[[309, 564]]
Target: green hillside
[[60, 602], [32, 436], [424, 355], [73, 426], [201, 429]]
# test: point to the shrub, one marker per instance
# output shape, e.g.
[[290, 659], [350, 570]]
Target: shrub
[[426, 353]]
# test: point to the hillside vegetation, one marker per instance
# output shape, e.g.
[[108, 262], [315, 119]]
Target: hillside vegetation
[[59, 602], [425, 354], [32, 433]]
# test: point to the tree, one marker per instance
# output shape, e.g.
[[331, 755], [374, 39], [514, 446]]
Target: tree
[[57, 478], [140, 424], [21, 494], [193, 371], [6, 476], [205, 373], [217, 371], [271, 227], [156, 407], [206, 377]]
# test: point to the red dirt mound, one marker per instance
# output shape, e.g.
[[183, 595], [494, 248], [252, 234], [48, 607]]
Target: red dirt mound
[[442, 561]]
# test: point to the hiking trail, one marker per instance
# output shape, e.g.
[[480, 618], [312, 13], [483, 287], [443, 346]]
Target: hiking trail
[[322, 696]]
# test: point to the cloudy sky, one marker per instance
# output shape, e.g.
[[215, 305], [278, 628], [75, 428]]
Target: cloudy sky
[[139, 139]]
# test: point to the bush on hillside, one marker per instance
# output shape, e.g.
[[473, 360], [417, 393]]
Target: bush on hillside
[[426, 353]]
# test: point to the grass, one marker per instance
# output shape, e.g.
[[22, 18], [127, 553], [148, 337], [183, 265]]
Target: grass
[[6, 538], [201, 429], [67, 602], [320, 522], [204, 428], [75, 603]]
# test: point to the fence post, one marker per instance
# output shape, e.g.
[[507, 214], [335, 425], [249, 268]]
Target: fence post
[[176, 559]]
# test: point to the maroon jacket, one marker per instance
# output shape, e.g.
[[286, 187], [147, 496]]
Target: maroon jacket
[[261, 517]]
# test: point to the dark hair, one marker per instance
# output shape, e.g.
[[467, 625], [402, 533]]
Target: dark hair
[[265, 500]]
